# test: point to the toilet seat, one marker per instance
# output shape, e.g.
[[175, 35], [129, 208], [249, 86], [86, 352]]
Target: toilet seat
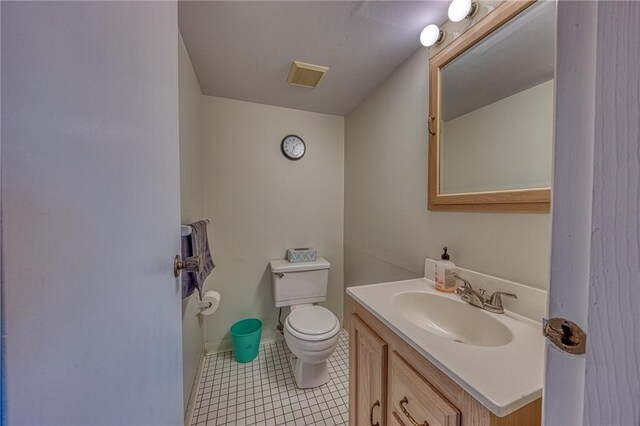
[[312, 323]]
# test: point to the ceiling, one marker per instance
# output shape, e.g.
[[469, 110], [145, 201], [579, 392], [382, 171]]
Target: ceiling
[[244, 49]]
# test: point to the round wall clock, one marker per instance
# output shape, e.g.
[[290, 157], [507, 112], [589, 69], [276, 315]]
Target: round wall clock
[[293, 147]]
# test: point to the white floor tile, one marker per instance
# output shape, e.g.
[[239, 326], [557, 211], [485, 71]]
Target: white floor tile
[[263, 392]]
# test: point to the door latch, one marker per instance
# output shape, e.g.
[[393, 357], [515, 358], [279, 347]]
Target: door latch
[[190, 264], [565, 334]]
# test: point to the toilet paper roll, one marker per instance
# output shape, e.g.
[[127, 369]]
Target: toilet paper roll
[[214, 298]]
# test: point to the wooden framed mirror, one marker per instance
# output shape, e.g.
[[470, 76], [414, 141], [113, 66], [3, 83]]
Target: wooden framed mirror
[[491, 113]]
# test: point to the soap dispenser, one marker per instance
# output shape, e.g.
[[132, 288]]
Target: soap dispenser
[[445, 273]]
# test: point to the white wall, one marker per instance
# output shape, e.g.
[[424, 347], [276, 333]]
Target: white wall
[[503, 145], [90, 210], [388, 230], [191, 203], [260, 204]]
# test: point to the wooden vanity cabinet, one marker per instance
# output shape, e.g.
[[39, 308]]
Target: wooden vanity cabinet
[[368, 373], [412, 397], [390, 383]]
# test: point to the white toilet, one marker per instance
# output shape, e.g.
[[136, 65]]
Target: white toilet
[[311, 331]]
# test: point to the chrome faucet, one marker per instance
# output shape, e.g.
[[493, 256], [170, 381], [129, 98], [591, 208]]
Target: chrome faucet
[[469, 295], [478, 299]]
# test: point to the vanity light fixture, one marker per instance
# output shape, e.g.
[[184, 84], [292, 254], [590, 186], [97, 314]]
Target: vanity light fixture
[[431, 34], [462, 9]]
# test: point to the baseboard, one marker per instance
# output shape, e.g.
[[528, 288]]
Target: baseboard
[[217, 346], [188, 417], [224, 345]]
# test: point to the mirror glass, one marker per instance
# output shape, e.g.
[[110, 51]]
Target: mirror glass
[[496, 126]]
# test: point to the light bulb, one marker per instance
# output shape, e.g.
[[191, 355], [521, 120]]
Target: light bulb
[[459, 9], [431, 35]]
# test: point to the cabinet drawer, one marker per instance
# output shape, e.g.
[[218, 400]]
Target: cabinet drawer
[[415, 401], [395, 419]]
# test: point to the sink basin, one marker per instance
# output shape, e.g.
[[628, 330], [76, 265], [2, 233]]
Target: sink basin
[[452, 319]]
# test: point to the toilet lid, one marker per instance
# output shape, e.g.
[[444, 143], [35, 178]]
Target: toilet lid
[[312, 320]]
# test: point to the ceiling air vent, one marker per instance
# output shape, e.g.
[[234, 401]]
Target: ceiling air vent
[[306, 75]]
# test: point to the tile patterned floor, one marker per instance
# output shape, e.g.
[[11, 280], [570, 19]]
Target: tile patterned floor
[[263, 392]]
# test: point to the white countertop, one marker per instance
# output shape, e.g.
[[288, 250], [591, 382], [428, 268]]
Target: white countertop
[[502, 378]]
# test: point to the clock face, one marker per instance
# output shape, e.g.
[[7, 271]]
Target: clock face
[[293, 147]]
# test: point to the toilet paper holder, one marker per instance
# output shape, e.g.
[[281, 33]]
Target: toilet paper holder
[[208, 303], [203, 305]]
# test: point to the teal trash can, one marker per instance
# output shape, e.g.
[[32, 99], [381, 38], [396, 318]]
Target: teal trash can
[[245, 338]]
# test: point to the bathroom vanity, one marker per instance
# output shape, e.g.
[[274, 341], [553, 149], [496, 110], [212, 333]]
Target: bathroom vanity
[[421, 357]]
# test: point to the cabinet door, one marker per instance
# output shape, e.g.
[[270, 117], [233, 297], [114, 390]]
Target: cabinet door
[[413, 398], [367, 375]]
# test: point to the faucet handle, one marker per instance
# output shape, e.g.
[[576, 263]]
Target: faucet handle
[[466, 284], [496, 298], [495, 302]]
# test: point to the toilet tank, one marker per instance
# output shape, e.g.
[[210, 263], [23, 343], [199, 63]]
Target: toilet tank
[[298, 283]]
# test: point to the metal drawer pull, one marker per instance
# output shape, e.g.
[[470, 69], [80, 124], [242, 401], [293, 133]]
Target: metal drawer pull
[[376, 404], [406, 413]]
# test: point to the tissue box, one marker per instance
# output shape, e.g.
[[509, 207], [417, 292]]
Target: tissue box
[[296, 255]]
